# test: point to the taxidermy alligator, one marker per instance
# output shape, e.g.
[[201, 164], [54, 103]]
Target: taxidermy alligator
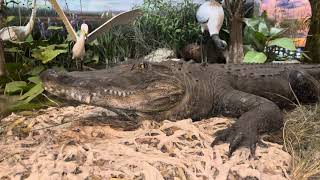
[[254, 94]]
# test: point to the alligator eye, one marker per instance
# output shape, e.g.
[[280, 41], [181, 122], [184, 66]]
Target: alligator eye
[[143, 65]]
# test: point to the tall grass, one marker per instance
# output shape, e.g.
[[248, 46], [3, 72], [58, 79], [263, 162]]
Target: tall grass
[[164, 24], [302, 140]]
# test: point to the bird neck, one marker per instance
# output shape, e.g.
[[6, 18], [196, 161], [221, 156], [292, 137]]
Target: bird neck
[[82, 36], [30, 24]]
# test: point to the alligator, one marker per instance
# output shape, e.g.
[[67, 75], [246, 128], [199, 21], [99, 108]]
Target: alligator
[[253, 94]]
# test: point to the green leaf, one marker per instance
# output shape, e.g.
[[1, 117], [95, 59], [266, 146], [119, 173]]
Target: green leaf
[[247, 48], [9, 19], [13, 50], [263, 28], [35, 80], [47, 55], [55, 27], [36, 70], [63, 46], [252, 23], [286, 43], [15, 86], [306, 56], [276, 31], [32, 93], [255, 57], [29, 39]]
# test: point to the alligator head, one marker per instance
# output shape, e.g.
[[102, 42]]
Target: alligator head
[[139, 88]]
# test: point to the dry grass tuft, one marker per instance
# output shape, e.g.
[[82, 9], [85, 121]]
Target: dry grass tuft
[[302, 140]]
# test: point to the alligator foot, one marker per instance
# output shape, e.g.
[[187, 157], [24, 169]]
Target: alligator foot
[[238, 135], [255, 115]]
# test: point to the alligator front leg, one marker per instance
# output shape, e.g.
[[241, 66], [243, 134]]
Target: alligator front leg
[[255, 115]]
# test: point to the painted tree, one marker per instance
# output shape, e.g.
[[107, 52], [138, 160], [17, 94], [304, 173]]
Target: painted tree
[[313, 40], [235, 14]]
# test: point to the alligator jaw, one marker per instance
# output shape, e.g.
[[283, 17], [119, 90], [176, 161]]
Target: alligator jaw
[[156, 96]]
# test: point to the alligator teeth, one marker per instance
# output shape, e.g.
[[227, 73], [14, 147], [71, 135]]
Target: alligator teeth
[[87, 99], [79, 97], [117, 93], [123, 94]]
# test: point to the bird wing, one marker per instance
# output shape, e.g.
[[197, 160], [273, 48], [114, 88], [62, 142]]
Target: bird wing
[[65, 20], [120, 19], [211, 15], [202, 14]]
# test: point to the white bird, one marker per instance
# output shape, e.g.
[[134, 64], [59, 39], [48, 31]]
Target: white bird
[[78, 49], [210, 15], [16, 34], [19, 33]]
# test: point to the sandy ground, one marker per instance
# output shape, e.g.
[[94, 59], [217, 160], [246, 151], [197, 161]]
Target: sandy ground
[[66, 143]]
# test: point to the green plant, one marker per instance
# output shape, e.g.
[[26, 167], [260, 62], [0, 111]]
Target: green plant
[[258, 35], [26, 62], [164, 24], [28, 89]]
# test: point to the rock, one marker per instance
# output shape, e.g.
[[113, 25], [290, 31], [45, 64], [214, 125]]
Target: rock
[[287, 62], [159, 55], [193, 52]]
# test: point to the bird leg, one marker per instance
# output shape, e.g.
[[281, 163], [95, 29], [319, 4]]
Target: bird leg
[[79, 64], [201, 46], [204, 48]]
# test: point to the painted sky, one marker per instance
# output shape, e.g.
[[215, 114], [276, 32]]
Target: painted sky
[[95, 5], [100, 5], [90, 5], [288, 9]]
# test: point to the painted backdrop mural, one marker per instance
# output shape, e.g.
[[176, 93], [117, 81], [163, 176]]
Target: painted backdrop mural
[[293, 14]]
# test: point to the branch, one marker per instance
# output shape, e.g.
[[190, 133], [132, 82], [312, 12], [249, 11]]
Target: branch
[[228, 8]]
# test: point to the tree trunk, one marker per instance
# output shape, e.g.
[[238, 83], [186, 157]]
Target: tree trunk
[[235, 14], [313, 40], [2, 58], [236, 42]]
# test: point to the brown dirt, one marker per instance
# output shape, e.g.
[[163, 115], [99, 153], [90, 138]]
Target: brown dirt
[[57, 144]]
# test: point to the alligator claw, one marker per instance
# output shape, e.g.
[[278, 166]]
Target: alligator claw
[[238, 135]]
